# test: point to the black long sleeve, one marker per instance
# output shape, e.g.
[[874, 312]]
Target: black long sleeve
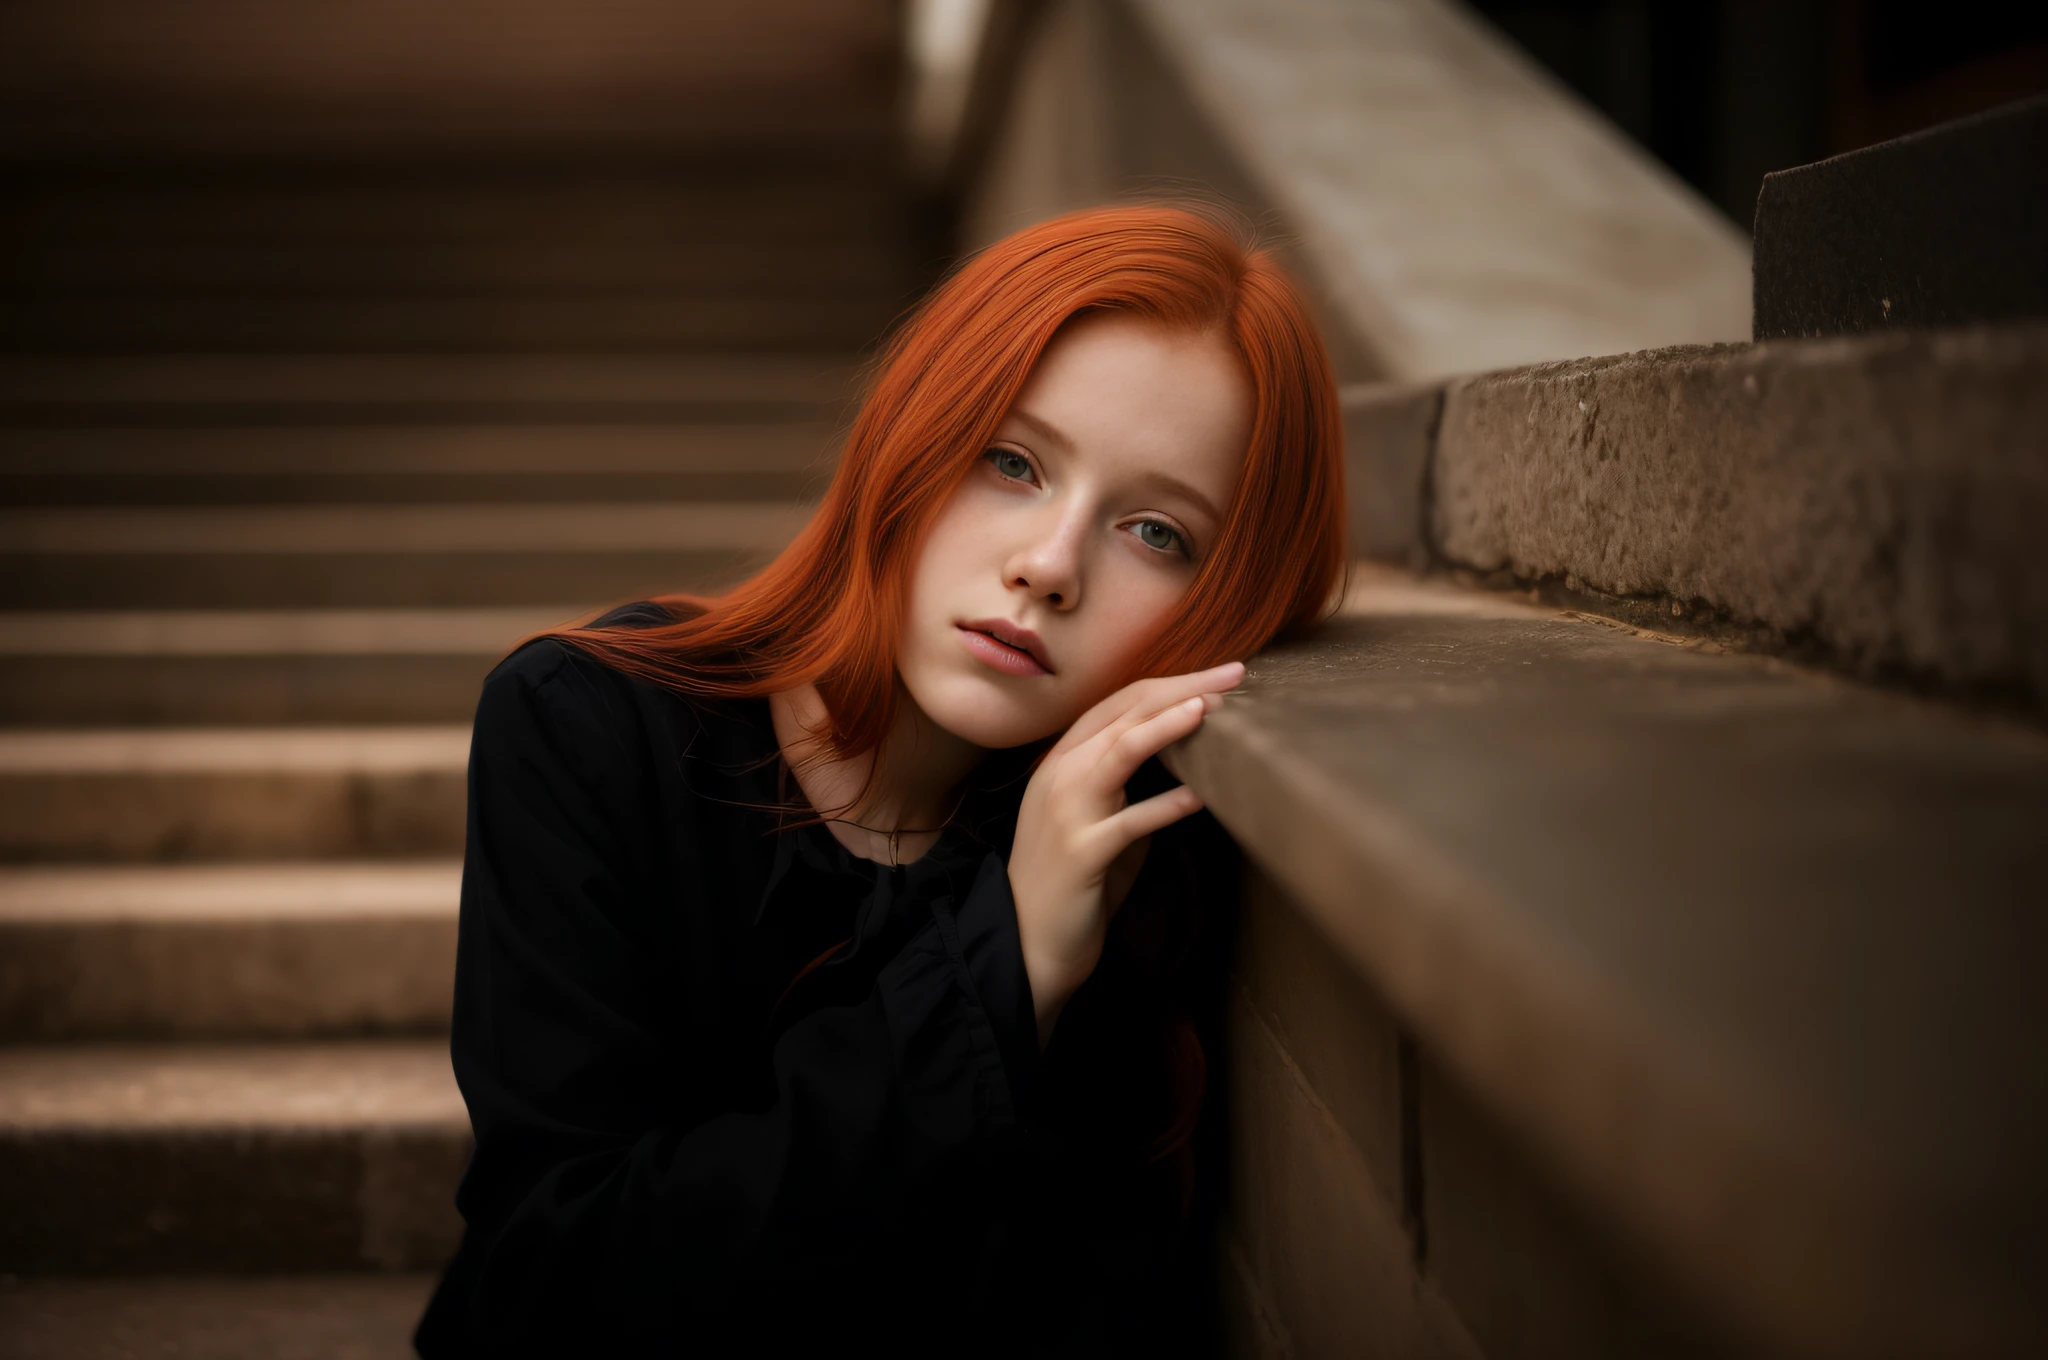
[[676, 1148]]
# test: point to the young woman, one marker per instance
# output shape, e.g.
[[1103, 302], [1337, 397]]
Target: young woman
[[788, 1006]]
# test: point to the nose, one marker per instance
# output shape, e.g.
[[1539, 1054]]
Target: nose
[[1048, 563]]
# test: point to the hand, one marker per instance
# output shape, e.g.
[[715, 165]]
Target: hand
[[1078, 846]]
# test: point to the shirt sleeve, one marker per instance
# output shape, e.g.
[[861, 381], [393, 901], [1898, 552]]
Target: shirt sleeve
[[604, 1201]]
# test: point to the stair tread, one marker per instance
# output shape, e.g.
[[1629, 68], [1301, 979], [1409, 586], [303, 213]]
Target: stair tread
[[68, 894], [277, 632], [132, 1087], [681, 526], [422, 748], [512, 380], [213, 1317], [402, 452]]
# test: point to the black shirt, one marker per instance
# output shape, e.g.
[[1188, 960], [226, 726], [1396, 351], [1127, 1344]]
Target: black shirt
[[735, 1087]]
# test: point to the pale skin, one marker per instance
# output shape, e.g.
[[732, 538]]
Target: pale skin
[[1084, 522]]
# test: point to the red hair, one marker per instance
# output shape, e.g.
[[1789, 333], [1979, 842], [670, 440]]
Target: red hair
[[829, 610]]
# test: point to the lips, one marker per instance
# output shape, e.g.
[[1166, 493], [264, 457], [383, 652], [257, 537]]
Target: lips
[[1017, 650]]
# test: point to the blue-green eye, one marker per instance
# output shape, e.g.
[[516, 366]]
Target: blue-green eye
[[1154, 534], [1010, 463]]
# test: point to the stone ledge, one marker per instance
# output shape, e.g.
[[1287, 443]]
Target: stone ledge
[[1873, 503], [1745, 955]]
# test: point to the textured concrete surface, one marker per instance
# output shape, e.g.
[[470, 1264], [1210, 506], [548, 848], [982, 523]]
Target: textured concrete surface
[[1744, 956], [1465, 212], [226, 950], [1941, 228], [1877, 501], [271, 1157], [188, 794], [320, 1317]]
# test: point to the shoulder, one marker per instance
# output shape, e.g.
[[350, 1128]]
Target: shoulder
[[552, 690]]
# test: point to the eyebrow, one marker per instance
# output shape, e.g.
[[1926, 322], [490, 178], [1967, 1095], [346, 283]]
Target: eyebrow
[[1165, 481]]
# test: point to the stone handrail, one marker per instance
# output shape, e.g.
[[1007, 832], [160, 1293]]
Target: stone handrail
[[1749, 957], [1457, 209]]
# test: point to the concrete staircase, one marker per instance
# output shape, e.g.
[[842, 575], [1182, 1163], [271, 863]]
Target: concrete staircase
[[288, 458]]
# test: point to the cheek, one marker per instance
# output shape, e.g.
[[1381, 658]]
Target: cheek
[[941, 558], [962, 536], [1132, 605]]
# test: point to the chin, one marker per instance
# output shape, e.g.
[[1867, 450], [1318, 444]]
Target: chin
[[984, 713]]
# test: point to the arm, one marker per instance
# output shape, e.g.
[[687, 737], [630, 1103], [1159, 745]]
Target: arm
[[605, 1187]]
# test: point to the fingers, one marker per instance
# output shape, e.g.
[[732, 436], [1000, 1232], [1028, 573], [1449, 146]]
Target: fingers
[[1139, 701], [1154, 813], [1131, 747]]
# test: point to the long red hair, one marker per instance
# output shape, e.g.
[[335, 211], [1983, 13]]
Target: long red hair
[[828, 611]]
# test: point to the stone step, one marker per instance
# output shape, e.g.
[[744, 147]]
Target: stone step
[[191, 388], [283, 463], [441, 268], [678, 205], [231, 794], [256, 667], [624, 319], [291, 950], [371, 556], [229, 1157], [216, 1317]]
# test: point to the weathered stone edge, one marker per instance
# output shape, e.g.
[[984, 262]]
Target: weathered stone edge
[[1731, 1194], [1870, 503]]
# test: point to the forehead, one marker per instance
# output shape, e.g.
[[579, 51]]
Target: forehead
[[1130, 395]]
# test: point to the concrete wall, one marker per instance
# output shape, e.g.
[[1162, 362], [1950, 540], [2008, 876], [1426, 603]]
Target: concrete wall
[[1376, 1210], [1455, 208]]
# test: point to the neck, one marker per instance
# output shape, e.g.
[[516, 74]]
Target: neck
[[917, 770]]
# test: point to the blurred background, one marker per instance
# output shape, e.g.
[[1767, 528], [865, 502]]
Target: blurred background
[[342, 344], [1724, 91]]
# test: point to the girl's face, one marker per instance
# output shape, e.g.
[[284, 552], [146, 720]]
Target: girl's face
[[1077, 533]]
